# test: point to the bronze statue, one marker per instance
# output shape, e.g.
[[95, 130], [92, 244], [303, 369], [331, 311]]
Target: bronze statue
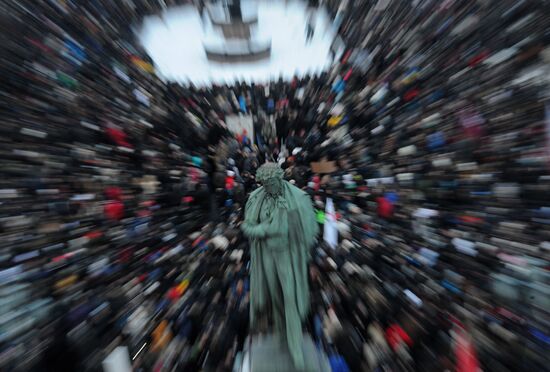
[[280, 223]]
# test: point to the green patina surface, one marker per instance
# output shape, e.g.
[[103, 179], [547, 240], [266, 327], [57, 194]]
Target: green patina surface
[[281, 225]]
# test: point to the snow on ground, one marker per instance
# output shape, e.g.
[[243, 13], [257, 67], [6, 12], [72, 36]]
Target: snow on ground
[[174, 41]]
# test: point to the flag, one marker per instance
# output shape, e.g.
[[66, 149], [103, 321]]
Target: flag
[[330, 233]]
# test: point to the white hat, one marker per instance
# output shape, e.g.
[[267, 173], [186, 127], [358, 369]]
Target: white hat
[[220, 242]]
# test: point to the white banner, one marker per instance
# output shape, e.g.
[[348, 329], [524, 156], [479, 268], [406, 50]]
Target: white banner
[[118, 361], [330, 233]]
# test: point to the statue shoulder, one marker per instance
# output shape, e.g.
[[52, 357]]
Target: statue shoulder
[[255, 195], [297, 192]]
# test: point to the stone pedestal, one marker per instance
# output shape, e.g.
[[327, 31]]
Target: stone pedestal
[[269, 354]]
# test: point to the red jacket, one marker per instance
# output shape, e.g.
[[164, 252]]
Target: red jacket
[[385, 207], [229, 183], [118, 137], [114, 210]]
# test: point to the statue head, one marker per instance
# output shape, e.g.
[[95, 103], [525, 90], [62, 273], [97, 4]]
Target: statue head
[[271, 176]]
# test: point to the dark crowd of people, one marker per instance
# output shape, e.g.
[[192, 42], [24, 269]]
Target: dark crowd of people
[[121, 194]]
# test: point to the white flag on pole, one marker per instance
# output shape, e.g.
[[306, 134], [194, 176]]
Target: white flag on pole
[[330, 233]]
